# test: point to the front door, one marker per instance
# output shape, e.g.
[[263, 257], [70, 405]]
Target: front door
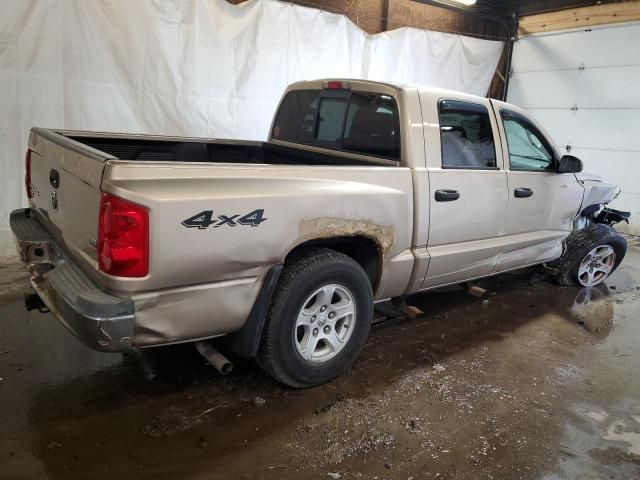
[[542, 203], [468, 192]]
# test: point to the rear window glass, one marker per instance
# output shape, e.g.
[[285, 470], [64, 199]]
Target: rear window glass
[[372, 125], [358, 122], [297, 115], [331, 118]]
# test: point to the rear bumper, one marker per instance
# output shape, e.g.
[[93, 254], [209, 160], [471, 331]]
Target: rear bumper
[[101, 321]]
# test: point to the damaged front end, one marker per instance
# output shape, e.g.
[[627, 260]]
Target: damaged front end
[[611, 216], [597, 196]]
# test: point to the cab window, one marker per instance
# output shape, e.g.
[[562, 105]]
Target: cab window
[[358, 122], [331, 119], [466, 136], [372, 125], [528, 149], [296, 117]]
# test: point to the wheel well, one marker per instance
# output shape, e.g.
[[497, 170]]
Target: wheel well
[[363, 250]]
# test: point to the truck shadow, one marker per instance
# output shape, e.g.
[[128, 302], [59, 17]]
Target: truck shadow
[[167, 403]]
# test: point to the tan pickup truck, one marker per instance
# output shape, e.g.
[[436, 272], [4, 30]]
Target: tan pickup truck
[[364, 191]]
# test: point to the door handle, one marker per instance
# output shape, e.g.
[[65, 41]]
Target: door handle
[[447, 195], [522, 192]]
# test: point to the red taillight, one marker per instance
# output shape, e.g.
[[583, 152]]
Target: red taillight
[[123, 237], [27, 174]]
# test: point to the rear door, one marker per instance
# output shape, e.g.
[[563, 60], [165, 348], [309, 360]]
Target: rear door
[[468, 188], [542, 203]]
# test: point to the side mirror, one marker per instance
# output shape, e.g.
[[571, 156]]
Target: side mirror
[[569, 164]]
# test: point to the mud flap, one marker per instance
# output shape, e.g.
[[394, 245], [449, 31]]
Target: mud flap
[[246, 341]]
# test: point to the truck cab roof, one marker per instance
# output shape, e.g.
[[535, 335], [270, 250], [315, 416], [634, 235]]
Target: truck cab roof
[[379, 86]]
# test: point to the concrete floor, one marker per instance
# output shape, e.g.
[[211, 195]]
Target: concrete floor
[[540, 382]]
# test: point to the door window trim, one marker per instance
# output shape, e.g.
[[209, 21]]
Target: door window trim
[[543, 139], [465, 167]]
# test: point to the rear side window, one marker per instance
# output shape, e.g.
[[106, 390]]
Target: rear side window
[[466, 135], [357, 122]]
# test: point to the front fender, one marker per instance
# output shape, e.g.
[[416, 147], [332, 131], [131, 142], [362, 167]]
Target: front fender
[[596, 192]]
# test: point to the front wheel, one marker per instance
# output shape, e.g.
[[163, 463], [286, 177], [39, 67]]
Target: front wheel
[[591, 255], [319, 319]]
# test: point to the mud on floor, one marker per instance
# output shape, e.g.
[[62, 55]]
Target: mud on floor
[[532, 381]]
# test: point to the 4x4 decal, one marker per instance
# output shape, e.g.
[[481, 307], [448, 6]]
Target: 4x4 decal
[[205, 219]]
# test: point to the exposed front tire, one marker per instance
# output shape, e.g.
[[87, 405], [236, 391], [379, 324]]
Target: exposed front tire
[[319, 318], [591, 255]]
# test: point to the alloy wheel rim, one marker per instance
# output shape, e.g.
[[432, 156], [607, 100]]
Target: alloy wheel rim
[[596, 265], [325, 323]]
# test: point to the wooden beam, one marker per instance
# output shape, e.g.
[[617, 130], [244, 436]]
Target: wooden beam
[[580, 17], [385, 16]]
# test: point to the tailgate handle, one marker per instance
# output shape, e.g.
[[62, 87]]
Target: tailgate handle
[[54, 178], [446, 195]]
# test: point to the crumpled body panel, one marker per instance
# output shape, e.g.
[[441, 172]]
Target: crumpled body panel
[[596, 191]]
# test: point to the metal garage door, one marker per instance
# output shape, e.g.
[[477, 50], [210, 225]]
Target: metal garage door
[[584, 86]]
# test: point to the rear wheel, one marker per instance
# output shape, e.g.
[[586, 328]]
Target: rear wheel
[[591, 255], [319, 318]]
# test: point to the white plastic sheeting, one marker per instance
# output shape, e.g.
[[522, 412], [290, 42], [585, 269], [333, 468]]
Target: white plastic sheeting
[[201, 68], [583, 86]]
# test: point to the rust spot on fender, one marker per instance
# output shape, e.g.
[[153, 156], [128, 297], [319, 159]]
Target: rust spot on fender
[[329, 227]]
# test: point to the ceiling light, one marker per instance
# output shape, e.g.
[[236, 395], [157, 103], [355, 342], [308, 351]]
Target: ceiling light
[[466, 3]]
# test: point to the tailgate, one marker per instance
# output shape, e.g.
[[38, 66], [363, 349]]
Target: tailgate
[[65, 183]]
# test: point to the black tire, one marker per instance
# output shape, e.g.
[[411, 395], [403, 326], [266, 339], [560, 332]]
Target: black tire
[[302, 275], [581, 242]]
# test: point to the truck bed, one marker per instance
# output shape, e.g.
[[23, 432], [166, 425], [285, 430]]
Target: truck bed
[[218, 218], [158, 149]]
